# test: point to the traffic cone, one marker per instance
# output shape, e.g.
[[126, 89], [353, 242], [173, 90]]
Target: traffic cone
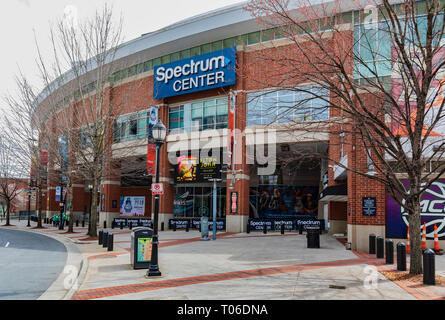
[[407, 240], [436, 240], [424, 237]]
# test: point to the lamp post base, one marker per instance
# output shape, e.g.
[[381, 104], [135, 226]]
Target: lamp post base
[[153, 273]]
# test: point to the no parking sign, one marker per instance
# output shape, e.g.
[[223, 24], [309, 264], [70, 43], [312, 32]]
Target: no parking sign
[[157, 188]]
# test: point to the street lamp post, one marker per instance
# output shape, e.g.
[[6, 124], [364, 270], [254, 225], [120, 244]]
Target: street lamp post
[[159, 132], [29, 206], [90, 188], [61, 208]]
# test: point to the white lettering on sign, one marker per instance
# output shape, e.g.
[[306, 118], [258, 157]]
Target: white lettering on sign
[[165, 75]]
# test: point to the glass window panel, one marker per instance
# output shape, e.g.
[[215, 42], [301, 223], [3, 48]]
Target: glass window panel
[[267, 35], [196, 51], [165, 59], [228, 43], [185, 54], [217, 45], [156, 62], [148, 65], [140, 68], [221, 110], [174, 56], [253, 37], [206, 48]]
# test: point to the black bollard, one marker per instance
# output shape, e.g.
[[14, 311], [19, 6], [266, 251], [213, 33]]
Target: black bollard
[[105, 239], [248, 227], [389, 251], [401, 256], [380, 253], [113, 224], [77, 223], [130, 225], [83, 223], [105, 224], [300, 229], [429, 272], [110, 242], [174, 226], [100, 237], [162, 226], [372, 244], [122, 225], [282, 228], [187, 227], [265, 228]]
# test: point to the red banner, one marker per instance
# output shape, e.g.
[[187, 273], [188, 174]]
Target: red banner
[[231, 125], [151, 159]]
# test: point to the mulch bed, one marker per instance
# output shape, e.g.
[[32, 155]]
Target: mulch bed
[[412, 278]]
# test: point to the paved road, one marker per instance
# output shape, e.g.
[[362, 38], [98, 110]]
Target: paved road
[[29, 264]]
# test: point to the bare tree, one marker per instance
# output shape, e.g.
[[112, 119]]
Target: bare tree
[[385, 97], [11, 176], [82, 110], [24, 130]]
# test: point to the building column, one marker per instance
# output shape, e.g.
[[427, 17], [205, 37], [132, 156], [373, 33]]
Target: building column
[[109, 201]]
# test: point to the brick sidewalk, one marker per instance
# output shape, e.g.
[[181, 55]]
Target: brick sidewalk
[[236, 266]]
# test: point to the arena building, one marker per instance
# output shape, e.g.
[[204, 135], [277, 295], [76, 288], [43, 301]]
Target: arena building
[[187, 77]]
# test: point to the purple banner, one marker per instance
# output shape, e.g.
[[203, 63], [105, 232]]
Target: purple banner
[[432, 212]]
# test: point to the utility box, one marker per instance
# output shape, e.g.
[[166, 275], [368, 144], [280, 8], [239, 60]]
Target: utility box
[[141, 245]]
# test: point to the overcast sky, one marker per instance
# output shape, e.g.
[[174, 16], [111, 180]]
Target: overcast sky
[[19, 19]]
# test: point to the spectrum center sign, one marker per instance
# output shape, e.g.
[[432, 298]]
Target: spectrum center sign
[[203, 72]]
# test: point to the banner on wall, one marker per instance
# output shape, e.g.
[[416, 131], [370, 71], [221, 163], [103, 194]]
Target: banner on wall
[[432, 212], [132, 206], [285, 201]]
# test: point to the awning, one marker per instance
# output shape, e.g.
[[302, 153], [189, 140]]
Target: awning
[[337, 192]]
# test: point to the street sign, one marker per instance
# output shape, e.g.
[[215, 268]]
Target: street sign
[[157, 188]]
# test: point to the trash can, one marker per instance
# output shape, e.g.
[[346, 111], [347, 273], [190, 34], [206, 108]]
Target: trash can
[[141, 244], [313, 237]]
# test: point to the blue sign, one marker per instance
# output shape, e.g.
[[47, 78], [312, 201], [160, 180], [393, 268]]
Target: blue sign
[[203, 72], [369, 206]]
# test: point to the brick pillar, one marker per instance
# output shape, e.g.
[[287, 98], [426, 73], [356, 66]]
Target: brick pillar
[[110, 192], [238, 222]]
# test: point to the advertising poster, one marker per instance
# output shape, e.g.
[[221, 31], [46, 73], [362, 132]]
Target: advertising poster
[[144, 249], [432, 212], [132, 206], [209, 169], [186, 169], [286, 201]]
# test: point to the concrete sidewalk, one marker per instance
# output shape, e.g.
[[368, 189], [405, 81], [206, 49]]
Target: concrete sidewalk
[[236, 266]]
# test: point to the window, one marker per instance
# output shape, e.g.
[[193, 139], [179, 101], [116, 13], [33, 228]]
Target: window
[[148, 65], [198, 116], [253, 38], [283, 106], [131, 127]]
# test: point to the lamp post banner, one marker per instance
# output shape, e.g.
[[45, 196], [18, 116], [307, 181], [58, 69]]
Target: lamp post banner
[[432, 212]]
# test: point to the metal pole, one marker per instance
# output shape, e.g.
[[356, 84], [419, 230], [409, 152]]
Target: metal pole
[[153, 269], [29, 207], [214, 209], [89, 215]]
